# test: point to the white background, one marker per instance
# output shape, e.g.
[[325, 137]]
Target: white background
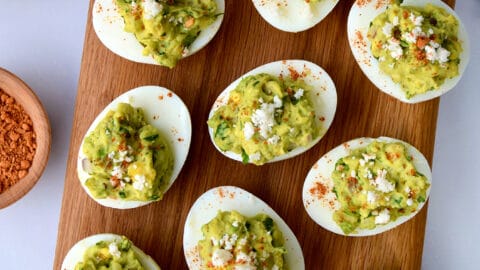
[[41, 41]]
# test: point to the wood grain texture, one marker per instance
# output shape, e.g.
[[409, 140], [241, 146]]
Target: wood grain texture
[[21, 92], [244, 42]]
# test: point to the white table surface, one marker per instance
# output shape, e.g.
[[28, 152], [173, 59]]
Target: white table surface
[[41, 41]]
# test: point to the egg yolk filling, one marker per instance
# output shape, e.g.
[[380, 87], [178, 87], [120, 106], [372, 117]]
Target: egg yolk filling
[[110, 255], [232, 241], [128, 158], [265, 117], [167, 28], [417, 47], [375, 185]]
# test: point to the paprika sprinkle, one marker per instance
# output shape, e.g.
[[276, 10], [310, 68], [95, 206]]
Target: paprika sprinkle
[[17, 142]]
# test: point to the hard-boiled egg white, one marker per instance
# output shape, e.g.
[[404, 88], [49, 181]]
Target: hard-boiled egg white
[[75, 254], [228, 198], [359, 18], [109, 26], [164, 110], [321, 207], [323, 97], [294, 15]]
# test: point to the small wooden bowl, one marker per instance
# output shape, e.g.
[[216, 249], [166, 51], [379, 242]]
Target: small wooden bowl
[[16, 88]]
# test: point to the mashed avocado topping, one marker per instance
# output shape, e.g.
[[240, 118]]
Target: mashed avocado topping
[[265, 117], [110, 255], [375, 185], [129, 159], [232, 241], [417, 47], [166, 28]]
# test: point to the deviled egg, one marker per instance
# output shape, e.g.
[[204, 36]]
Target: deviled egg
[[367, 186], [135, 148], [274, 112], [156, 31], [230, 228], [414, 51], [109, 251], [294, 15]]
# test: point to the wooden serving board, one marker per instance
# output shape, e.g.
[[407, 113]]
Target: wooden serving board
[[244, 42]]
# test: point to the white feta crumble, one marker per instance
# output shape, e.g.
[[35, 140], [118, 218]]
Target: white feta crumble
[[371, 197], [353, 174], [383, 217], [409, 202], [436, 54], [367, 157], [140, 182], [407, 189], [248, 130], [381, 182], [214, 241], [264, 119], [277, 102], [387, 29], [299, 94], [113, 249], [221, 257], [117, 172], [395, 21], [417, 20], [242, 242], [430, 31], [381, 58], [273, 140], [362, 162], [369, 174], [255, 156], [412, 36], [275, 267], [235, 223], [151, 9]]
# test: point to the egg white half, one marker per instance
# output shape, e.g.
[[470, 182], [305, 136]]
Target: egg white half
[[109, 26], [323, 97], [75, 254], [321, 209], [164, 110], [293, 15], [358, 24], [228, 198]]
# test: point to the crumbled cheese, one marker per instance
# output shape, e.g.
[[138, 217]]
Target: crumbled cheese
[[383, 217], [381, 58], [140, 182], [275, 267], [299, 94], [264, 119], [369, 157], [407, 189], [353, 174], [235, 223], [248, 130], [409, 202], [412, 36], [362, 162], [436, 53], [273, 140], [221, 257], [381, 182], [343, 175], [430, 31], [113, 249], [369, 174], [214, 241], [277, 102], [417, 20], [117, 172], [242, 257], [242, 242], [151, 8], [371, 197], [387, 29], [255, 156], [396, 21]]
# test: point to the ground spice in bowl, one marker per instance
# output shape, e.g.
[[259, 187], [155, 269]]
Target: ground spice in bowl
[[17, 142]]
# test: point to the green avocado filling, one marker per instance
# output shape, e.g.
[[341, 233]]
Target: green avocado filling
[[417, 47], [129, 159], [232, 241], [265, 117], [167, 28], [375, 185], [110, 255]]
